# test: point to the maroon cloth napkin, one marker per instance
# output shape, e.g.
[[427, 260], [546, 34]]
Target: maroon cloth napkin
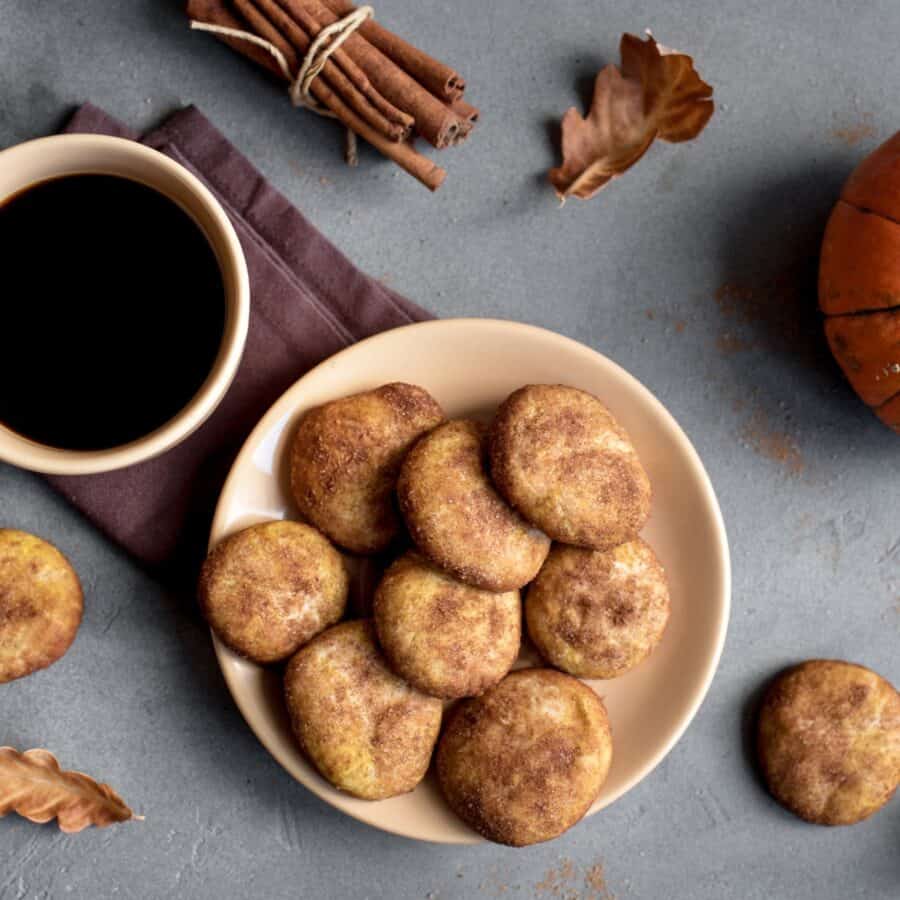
[[307, 302]]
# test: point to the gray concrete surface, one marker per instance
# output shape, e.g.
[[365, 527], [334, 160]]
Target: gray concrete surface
[[695, 272]]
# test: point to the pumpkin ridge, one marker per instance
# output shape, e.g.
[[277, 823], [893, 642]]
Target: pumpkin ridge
[[871, 311], [859, 281], [868, 351], [884, 403], [867, 211]]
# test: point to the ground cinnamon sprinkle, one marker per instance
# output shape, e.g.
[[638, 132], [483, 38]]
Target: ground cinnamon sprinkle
[[735, 299], [595, 879], [740, 304], [753, 306], [493, 885], [778, 313], [559, 882], [728, 343], [679, 325], [774, 315], [773, 444], [851, 135], [565, 882]]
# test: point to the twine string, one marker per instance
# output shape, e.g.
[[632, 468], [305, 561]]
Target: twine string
[[324, 44]]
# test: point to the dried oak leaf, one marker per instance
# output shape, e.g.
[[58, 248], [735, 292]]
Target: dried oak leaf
[[33, 785], [656, 92]]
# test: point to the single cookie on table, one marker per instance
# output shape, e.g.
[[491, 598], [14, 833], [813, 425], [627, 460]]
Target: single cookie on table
[[366, 730], [524, 762], [270, 588], [345, 459], [829, 741], [598, 613], [561, 459], [457, 518], [446, 638], [41, 603]]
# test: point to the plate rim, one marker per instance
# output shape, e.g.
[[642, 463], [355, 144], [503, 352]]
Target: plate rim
[[723, 553]]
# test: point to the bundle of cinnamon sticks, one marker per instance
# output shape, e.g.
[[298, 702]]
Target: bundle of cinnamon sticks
[[378, 85]]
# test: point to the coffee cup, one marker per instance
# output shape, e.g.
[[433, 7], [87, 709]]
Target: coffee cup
[[30, 164]]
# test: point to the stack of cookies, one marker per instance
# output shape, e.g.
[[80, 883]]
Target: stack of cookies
[[551, 496]]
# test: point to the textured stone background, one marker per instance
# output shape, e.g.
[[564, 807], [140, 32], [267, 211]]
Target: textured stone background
[[695, 272]]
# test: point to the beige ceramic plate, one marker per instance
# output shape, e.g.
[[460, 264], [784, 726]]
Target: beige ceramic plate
[[470, 365]]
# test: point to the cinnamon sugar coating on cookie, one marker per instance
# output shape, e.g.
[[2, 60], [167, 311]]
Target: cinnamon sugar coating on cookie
[[524, 762], [457, 518], [598, 613], [268, 589], [367, 731], [829, 741], [444, 637], [41, 604], [345, 458], [561, 459]]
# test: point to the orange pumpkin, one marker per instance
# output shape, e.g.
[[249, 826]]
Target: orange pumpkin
[[859, 281]]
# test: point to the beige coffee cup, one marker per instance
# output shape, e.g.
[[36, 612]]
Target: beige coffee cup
[[70, 154]]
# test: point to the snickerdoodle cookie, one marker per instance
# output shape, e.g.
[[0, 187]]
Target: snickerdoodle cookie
[[598, 613], [345, 459], [40, 604], [457, 518], [561, 459], [523, 762], [366, 730], [829, 741], [268, 589], [444, 637]]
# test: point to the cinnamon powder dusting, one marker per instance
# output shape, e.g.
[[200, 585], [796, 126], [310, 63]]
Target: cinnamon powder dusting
[[728, 343], [595, 879], [773, 444], [736, 299], [565, 882], [774, 314], [559, 882], [851, 135], [494, 885]]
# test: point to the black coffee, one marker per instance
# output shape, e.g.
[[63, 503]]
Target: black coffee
[[112, 310]]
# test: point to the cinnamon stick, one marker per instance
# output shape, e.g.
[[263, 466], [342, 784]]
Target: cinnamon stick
[[465, 110], [437, 77], [268, 21], [216, 12], [468, 116], [435, 121]]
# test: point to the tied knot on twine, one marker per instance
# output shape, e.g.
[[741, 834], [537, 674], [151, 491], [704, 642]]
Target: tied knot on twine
[[324, 44]]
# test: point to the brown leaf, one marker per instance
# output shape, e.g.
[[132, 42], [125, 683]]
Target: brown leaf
[[656, 92], [33, 785]]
